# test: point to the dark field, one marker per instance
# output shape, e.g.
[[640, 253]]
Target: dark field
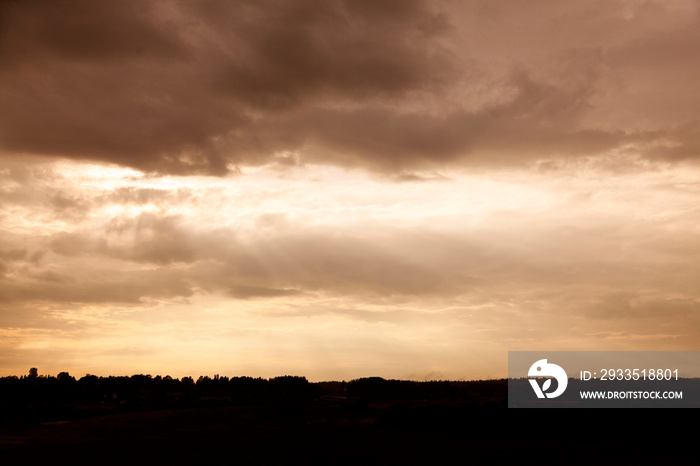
[[465, 424], [383, 433], [253, 435]]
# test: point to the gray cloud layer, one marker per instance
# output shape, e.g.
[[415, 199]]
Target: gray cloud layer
[[191, 87]]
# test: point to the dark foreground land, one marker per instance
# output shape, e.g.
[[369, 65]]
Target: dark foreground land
[[291, 421]]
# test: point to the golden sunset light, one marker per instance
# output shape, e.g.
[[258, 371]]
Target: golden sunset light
[[343, 189]]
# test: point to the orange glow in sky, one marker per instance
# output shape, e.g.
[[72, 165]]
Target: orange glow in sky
[[342, 189]]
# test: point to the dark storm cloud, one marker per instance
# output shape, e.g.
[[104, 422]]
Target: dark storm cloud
[[187, 87], [538, 121], [286, 52], [82, 30], [168, 86]]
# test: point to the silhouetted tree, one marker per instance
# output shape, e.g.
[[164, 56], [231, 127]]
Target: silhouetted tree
[[65, 377]]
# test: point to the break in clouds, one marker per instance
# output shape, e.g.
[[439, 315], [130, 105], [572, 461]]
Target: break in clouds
[[345, 188], [345, 265]]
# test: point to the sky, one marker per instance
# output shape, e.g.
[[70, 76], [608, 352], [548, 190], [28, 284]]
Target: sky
[[345, 188]]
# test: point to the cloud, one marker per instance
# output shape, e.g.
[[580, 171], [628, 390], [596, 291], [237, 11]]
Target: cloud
[[131, 195], [244, 292], [115, 31], [102, 284], [201, 87], [548, 259], [13, 254], [551, 237], [384, 178], [158, 86], [285, 52]]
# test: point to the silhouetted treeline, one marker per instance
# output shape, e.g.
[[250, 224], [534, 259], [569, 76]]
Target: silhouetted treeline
[[34, 397], [37, 397], [377, 388]]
